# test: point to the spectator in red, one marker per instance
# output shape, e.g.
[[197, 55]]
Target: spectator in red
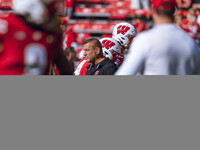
[[69, 39], [69, 7], [190, 25], [178, 20]]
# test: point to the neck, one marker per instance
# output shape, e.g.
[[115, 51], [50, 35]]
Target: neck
[[161, 20], [98, 60]]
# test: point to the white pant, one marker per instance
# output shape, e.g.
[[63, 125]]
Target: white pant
[[138, 4]]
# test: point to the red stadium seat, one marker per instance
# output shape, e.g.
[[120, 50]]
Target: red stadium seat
[[106, 35], [82, 25], [119, 13], [95, 1], [80, 1], [120, 4], [102, 10], [5, 4], [96, 26], [81, 37]]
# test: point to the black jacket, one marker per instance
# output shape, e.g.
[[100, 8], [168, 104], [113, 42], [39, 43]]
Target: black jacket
[[105, 67]]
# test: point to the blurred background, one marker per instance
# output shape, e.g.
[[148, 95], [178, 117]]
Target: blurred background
[[96, 18]]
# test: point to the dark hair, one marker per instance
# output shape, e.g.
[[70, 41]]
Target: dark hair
[[95, 42], [69, 50], [163, 12]]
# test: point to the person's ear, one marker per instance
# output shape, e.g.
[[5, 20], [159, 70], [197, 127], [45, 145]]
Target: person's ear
[[97, 49]]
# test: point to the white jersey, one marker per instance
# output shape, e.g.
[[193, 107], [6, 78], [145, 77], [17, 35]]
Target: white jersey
[[162, 50]]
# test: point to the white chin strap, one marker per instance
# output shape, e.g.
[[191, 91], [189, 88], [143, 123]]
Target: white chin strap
[[32, 7]]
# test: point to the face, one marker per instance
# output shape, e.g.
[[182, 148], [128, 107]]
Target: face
[[59, 7], [122, 47], [89, 52], [63, 27], [71, 57], [51, 12], [191, 16]]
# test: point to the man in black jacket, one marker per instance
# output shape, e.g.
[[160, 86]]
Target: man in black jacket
[[99, 64]]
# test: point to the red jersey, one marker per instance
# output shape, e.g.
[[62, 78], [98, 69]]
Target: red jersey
[[25, 50], [82, 67]]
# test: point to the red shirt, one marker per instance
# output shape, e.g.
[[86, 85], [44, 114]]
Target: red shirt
[[191, 29], [82, 67], [25, 50], [69, 38]]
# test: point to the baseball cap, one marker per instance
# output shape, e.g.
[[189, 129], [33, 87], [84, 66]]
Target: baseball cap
[[164, 4]]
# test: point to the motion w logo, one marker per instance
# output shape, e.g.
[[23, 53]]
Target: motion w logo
[[107, 44], [122, 29]]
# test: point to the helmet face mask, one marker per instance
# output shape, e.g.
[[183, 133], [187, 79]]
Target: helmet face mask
[[108, 54], [124, 33]]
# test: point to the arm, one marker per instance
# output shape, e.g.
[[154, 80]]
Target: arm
[[134, 62], [63, 64]]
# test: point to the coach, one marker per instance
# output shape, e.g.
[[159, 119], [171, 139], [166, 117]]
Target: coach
[[93, 53]]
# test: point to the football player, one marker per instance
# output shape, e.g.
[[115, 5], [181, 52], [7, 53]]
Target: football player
[[31, 39]]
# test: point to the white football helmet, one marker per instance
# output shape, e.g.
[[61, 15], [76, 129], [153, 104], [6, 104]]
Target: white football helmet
[[124, 33], [35, 9], [110, 48]]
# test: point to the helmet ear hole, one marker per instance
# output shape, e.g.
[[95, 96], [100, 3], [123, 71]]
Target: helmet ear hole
[[106, 53]]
